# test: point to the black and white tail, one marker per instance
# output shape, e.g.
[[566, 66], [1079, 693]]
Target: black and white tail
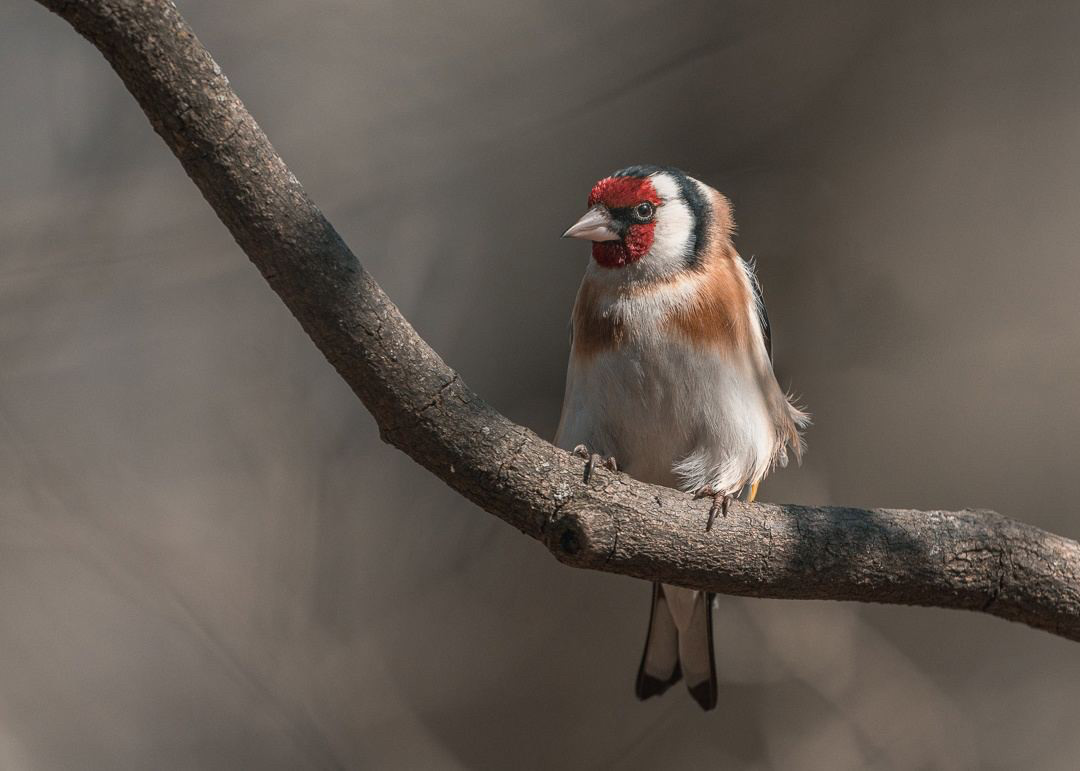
[[679, 645]]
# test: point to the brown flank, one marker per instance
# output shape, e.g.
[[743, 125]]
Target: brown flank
[[594, 331]]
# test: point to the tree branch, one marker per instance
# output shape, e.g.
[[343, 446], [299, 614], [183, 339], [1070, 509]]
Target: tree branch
[[976, 560]]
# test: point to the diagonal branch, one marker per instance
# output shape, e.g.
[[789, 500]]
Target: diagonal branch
[[976, 560]]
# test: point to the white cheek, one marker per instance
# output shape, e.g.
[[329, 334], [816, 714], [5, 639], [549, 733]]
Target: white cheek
[[674, 227]]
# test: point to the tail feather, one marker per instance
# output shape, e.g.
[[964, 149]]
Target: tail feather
[[679, 645], [659, 668], [696, 649]]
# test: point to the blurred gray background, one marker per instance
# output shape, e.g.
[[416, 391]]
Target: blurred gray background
[[208, 559]]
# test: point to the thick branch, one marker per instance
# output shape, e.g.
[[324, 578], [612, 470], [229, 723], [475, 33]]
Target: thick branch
[[969, 559]]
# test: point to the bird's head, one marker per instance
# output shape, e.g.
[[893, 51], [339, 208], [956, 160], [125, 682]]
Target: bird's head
[[653, 218]]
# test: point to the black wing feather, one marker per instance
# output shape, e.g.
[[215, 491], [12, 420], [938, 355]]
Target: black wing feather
[[766, 330]]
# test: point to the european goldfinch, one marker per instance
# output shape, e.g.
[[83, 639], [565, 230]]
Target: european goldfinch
[[671, 376]]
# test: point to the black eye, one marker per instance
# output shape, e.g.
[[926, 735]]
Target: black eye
[[644, 211]]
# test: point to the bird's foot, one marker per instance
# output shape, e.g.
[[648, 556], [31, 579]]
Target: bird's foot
[[591, 459], [720, 503]]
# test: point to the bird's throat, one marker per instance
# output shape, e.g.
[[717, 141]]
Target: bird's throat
[[617, 254]]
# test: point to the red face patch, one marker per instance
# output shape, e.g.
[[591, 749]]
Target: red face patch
[[619, 194]]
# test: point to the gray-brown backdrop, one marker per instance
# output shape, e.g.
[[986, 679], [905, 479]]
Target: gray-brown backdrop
[[207, 558]]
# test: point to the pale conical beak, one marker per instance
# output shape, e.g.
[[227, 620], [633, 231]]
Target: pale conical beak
[[596, 225]]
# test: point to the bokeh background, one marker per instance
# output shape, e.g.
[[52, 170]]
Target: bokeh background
[[208, 559]]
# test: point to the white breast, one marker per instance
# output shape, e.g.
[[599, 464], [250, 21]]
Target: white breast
[[669, 411]]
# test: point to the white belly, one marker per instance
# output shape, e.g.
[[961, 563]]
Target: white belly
[[671, 414]]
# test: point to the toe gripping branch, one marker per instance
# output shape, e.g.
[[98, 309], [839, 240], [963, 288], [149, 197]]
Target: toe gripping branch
[[591, 460], [720, 503]]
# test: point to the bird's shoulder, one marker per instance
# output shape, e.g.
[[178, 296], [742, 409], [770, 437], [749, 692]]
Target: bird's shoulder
[[716, 313]]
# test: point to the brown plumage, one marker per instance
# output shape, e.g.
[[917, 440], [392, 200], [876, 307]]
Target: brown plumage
[[595, 327]]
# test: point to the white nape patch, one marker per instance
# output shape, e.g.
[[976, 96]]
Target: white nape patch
[[706, 192]]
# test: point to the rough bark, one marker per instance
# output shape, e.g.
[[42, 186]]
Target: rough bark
[[976, 560]]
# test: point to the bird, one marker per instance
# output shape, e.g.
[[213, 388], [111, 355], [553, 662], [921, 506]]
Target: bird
[[670, 378]]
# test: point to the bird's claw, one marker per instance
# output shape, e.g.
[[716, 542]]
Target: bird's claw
[[590, 462], [720, 503]]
